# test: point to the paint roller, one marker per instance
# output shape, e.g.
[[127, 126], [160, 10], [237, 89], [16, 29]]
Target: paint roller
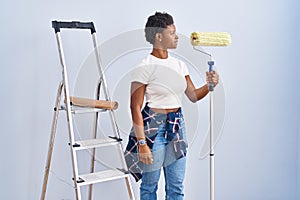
[[210, 39]]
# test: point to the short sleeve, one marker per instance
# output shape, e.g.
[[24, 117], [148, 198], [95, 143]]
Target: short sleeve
[[183, 68], [140, 74]]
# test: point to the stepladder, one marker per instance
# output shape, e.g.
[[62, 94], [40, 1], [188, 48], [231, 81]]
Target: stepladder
[[72, 105]]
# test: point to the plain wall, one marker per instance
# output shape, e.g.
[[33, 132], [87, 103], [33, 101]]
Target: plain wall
[[257, 155]]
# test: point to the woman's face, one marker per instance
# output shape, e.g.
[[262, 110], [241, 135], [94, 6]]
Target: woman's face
[[169, 38]]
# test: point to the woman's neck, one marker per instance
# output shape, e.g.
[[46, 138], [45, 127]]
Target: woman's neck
[[160, 53]]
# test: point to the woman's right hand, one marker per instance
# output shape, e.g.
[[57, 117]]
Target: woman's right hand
[[145, 154]]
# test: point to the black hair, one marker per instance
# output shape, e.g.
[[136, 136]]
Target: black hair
[[155, 24]]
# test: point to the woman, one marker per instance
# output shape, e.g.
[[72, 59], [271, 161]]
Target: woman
[[158, 138]]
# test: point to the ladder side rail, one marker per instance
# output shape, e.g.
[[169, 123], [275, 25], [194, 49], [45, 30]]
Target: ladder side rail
[[111, 112], [92, 168], [102, 76], [51, 142], [69, 114], [112, 116], [100, 67], [127, 179], [129, 188]]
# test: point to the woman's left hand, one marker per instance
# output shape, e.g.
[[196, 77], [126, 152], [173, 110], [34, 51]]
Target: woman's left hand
[[212, 77]]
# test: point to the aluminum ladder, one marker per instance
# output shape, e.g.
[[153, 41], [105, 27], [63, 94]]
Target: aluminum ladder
[[73, 105]]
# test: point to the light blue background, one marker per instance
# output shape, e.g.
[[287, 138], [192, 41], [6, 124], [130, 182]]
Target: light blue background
[[257, 157]]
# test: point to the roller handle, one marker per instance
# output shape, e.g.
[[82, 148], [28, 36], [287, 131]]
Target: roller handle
[[210, 85], [57, 25]]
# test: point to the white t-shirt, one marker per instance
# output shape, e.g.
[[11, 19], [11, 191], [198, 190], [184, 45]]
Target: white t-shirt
[[165, 80]]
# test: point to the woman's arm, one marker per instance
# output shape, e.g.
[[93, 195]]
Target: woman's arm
[[136, 103], [194, 94]]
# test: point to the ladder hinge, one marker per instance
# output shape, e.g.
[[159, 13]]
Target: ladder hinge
[[115, 138], [75, 145], [79, 181]]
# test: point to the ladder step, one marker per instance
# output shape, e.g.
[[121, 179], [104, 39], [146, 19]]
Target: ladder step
[[94, 143], [81, 110], [102, 176]]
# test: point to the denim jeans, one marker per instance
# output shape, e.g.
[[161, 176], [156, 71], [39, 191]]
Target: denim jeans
[[174, 170]]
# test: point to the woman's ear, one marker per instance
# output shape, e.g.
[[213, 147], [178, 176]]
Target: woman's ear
[[158, 37]]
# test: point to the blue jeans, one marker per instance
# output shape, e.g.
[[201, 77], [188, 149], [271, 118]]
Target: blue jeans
[[174, 170]]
